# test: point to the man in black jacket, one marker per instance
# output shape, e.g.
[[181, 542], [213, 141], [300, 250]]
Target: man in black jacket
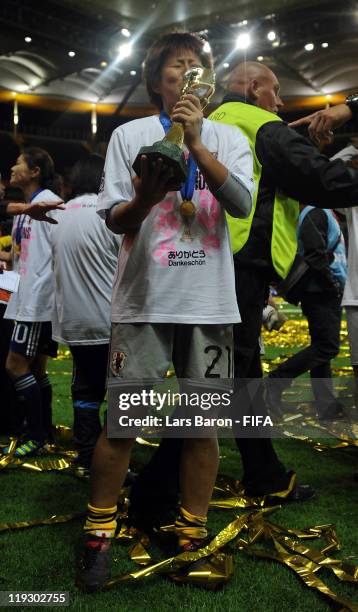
[[320, 292], [290, 164]]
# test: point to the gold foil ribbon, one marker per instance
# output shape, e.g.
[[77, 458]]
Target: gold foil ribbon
[[62, 432], [220, 570], [212, 565], [42, 464], [305, 561], [238, 497], [139, 554], [145, 442], [35, 464], [5, 460], [45, 465], [52, 520], [345, 440]]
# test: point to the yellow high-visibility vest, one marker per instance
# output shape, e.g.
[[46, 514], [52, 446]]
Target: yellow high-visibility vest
[[249, 119]]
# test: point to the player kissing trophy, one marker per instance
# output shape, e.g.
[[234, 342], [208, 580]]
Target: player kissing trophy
[[201, 83]]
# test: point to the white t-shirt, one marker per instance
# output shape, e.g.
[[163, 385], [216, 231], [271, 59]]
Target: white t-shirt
[[85, 257], [161, 278], [350, 296], [32, 259]]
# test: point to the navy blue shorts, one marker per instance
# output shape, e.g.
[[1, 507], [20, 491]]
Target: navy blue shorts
[[30, 339]]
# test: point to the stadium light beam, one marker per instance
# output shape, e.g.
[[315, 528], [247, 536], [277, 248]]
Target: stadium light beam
[[243, 41]]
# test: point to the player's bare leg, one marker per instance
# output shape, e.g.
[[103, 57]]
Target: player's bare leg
[[198, 470]]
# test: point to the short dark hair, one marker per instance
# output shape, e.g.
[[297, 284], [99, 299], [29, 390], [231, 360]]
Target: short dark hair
[[159, 52], [58, 185], [86, 175], [36, 157]]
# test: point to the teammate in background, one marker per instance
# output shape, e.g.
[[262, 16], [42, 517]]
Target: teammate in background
[[35, 210], [163, 312], [350, 297], [85, 258], [32, 306]]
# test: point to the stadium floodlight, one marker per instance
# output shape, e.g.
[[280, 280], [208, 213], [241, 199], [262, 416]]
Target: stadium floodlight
[[243, 41], [124, 51]]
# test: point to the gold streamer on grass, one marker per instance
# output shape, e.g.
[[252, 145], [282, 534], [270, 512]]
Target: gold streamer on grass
[[53, 449], [144, 442], [62, 432], [346, 439], [139, 554], [63, 353], [305, 561], [34, 464], [5, 460], [212, 573], [52, 520], [238, 497], [294, 333], [41, 463], [45, 465], [212, 566]]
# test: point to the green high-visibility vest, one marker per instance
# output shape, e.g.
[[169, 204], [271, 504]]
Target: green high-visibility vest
[[249, 119]]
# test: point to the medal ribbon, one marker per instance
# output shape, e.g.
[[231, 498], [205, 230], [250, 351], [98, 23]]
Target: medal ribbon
[[20, 225], [187, 189], [36, 193]]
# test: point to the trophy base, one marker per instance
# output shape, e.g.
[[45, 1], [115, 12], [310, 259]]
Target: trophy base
[[172, 156]]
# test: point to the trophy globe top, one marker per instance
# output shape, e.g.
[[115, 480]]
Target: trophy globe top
[[201, 83]]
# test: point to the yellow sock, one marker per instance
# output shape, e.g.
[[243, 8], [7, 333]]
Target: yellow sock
[[190, 527], [101, 522]]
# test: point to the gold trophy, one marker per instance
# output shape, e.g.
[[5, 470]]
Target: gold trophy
[[201, 83]]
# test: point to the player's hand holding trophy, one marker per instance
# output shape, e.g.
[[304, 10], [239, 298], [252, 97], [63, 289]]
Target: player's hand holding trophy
[[201, 83]]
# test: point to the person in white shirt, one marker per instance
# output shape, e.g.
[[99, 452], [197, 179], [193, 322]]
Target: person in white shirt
[[350, 297], [85, 256], [174, 290], [32, 306]]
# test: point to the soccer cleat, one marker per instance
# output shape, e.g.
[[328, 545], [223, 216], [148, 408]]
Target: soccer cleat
[[301, 493], [27, 449], [189, 573], [193, 545], [332, 413], [94, 567]]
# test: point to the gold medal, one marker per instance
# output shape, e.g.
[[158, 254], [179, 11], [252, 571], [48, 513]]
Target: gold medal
[[188, 211]]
